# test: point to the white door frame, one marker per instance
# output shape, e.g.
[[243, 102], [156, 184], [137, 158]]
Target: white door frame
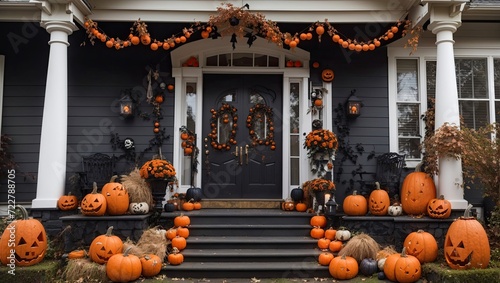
[[201, 49]]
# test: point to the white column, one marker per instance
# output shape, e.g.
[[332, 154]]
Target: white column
[[450, 170], [53, 141]]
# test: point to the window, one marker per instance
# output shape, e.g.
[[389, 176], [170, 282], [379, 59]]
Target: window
[[478, 85], [190, 100], [294, 135]]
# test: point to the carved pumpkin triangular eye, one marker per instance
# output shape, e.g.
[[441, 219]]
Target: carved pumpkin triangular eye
[[22, 241], [35, 244], [460, 245], [40, 237]]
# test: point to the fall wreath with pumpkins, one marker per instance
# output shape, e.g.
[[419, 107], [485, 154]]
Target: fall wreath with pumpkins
[[263, 115]]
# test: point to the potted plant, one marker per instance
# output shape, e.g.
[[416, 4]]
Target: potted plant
[[159, 174], [318, 187], [321, 145]]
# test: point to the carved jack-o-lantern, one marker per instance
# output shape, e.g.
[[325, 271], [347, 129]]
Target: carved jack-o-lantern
[[288, 204], [29, 239], [379, 201], [327, 75], [417, 190], [439, 208], [67, 202], [421, 245], [138, 208], [117, 198], [466, 244], [94, 204], [343, 267], [105, 246]]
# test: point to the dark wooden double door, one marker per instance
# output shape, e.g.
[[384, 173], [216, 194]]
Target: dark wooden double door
[[245, 170]]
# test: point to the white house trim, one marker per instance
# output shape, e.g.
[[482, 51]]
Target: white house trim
[[2, 66]]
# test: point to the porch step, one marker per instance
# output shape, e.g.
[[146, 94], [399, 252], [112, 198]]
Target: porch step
[[241, 203], [247, 243]]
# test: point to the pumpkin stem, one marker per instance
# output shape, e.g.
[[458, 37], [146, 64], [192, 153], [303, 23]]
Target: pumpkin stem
[[355, 192], [467, 211], [377, 185], [441, 197], [127, 251], [109, 232], [94, 188], [418, 167], [24, 212], [113, 178], [403, 252], [175, 250]]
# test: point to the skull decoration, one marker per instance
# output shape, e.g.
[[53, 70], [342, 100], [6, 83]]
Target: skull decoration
[[30, 241], [138, 208], [466, 244], [128, 143], [395, 209]]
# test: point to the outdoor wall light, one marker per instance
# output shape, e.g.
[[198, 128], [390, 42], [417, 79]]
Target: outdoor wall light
[[353, 105], [126, 106]]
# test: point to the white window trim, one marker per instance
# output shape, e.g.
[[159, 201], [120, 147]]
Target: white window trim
[[423, 55], [2, 71]]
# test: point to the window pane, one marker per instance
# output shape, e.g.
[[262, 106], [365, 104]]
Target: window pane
[[472, 78], [407, 80], [259, 125], [212, 61], [474, 113], [191, 106], [497, 111], [260, 60], [410, 147], [430, 70], [496, 79], [294, 108], [408, 119], [294, 171], [243, 59], [273, 61], [256, 98], [225, 128], [294, 145]]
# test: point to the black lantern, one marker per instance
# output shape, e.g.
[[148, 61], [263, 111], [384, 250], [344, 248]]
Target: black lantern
[[353, 105], [330, 208], [126, 106]]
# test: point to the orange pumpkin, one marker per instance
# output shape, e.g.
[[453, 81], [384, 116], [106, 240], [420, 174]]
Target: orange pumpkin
[[124, 267], [343, 267], [94, 204], [466, 243], [335, 246], [355, 204], [325, 258], [318, 220], [421, 245], [76, 254], [301, 207], [67, 202], [402, 267], [175, 258], [171, 233], [183, 232], [182, 221], [379, 201], [327, 75], [330, 233], [323, 243], [439, 208], [117, 198], [179, 243], [417, 190], [151, 265], [317, 232], [24, 239], [104, 246]]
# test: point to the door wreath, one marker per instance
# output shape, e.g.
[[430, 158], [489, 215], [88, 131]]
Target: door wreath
[[261, 113], [224, 115]]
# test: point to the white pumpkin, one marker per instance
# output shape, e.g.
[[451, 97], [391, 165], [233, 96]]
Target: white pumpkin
[[342, 235], [395, 209], [381, 263], [138, 208]]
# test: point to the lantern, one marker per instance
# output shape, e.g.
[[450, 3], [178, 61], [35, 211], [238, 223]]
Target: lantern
[[353, 105], [126, 106], [330, 206]]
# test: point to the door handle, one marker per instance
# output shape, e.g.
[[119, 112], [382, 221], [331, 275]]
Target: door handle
[[241, 155], [246, 152]]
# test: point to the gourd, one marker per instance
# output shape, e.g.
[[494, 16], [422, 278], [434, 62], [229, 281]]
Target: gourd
[[29, 238], [317, 232], [330, 233], [368, 266], [124, 267], [323, 243], [179, 242], [104, 246], [466, 243], [379, 201], [342, 234], [417, 190], [94, 204], [67, 202], [355, 204], [335, 246], [396, 209]]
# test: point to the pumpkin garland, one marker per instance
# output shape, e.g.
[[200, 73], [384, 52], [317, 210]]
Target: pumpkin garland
[[225, 115], [261, 114]]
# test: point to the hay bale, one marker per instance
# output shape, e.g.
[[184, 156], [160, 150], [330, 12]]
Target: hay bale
[[360, 247], [137, 188], [85, 270], [153, 241], [385, 252], [134, 249]]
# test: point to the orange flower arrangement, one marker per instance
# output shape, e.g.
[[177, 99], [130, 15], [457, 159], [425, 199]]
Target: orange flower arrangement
[[158, 169], [321, 141], [320, 185]]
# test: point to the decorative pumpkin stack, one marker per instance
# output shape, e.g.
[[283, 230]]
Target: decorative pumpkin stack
[[29, 238], [318, 222], [177, 236]]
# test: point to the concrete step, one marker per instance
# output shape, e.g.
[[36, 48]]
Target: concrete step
[[218, 269], [242, 203], [250, 255], [249, 230], [249, 242]]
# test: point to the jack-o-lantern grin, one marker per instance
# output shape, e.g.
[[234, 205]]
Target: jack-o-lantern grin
[[377, 208], [440, 210], [91, 208]]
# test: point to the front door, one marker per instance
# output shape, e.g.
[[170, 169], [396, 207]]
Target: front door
[[242, 130]]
